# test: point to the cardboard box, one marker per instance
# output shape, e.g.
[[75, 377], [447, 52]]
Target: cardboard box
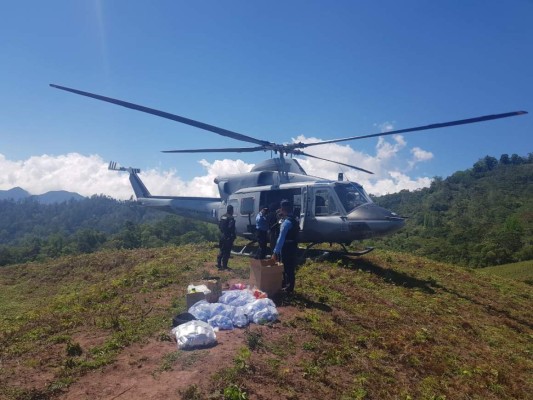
[[266, 275], [213, 284], [193, 298], [214, 287]]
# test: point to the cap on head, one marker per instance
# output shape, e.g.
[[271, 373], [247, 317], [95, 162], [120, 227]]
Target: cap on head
[[229, 209]]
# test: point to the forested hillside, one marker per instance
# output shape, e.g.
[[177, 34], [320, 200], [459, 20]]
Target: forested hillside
[[479, 217], [30, 230]]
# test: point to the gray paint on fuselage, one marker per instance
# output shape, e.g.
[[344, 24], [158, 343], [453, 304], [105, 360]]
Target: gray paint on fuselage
[[365, 221], [200, 208]]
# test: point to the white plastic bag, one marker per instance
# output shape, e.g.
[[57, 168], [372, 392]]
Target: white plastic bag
[[221, 322], [194, 334], [265, 308], [240, 319], [198, 288], [267, 314], [201, 310], [236, 298], [205, 311]]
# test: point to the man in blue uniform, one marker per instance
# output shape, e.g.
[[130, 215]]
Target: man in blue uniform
[[287, 245], [261, 230], [228, 235]]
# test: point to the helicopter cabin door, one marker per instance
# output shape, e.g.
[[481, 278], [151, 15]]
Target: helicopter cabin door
[[304, 207], [324, 218]]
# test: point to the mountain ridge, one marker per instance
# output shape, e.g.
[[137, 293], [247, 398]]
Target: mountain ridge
[[50, 197]]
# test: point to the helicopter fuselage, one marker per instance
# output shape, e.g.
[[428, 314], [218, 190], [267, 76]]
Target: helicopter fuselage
[[324, 214], [328, 211]]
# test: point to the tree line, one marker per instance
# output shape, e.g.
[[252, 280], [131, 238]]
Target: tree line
[[31, 231], [478, 217]]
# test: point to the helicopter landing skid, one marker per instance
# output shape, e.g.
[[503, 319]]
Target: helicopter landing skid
[[345, 251], [357, 253], [360, 252], [243, 251]]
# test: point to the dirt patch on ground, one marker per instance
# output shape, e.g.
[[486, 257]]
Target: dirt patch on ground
[[158, 370], [140, 370]]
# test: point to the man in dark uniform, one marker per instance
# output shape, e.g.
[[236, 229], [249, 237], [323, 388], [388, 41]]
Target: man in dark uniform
[[227, 230], [273, 224], [287, 245]]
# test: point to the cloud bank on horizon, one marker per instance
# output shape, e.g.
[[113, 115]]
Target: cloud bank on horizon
[[88, 175]]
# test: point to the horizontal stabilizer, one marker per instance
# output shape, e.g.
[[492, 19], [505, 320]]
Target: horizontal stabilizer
[[138, 186], [113, 166]]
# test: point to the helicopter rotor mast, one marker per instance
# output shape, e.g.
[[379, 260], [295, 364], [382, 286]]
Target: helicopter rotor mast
[[263, 145]]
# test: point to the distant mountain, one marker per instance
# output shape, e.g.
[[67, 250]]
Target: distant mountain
[[16, 193], [55, 196]]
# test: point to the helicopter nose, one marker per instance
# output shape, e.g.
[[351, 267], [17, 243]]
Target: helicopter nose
[[372, 220]]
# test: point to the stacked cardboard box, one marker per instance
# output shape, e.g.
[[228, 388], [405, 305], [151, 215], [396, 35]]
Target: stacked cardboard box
[[266, 275], [214, 291]]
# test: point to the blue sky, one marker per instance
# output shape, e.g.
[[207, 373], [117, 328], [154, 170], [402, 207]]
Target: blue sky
[[273, 70]]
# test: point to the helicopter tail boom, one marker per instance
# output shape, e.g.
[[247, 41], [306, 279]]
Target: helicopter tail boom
[[201, 208]]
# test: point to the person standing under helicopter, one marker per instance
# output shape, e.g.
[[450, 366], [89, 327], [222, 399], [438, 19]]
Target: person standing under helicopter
[[261, 229], [228, 235], [273, 217], [287, 245]]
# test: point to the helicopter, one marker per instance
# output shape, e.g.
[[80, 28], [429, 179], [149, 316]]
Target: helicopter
[[329, 211]]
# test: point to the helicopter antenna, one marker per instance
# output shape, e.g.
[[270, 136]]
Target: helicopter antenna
[[342, 176]]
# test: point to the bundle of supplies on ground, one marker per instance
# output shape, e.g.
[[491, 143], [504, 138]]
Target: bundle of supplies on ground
[[194, 334], [235, 308], [238, 306]]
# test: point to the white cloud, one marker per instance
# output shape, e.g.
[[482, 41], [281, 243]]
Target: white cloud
[[169, 183], [386, 150], [388, 165], [419, 155], [88, 175], [397, 182], [385, 126]]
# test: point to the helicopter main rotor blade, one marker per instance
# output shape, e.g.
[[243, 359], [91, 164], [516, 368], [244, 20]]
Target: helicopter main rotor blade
[[336, 162], [221, 150], [163, 114], [422, 128]]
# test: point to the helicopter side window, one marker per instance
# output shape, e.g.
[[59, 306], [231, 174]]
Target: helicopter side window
[[324, 203], [247, 206], [351, 196]]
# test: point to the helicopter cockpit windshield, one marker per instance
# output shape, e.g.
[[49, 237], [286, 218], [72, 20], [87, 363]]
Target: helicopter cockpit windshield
[[351, 196]]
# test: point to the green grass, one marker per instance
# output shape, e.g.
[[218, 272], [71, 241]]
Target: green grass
[[390, 326], [521, 271], [123, 296], [383, 326]]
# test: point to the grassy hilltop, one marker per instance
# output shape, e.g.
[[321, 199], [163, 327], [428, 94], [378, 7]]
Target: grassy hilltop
[[384, 326]]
